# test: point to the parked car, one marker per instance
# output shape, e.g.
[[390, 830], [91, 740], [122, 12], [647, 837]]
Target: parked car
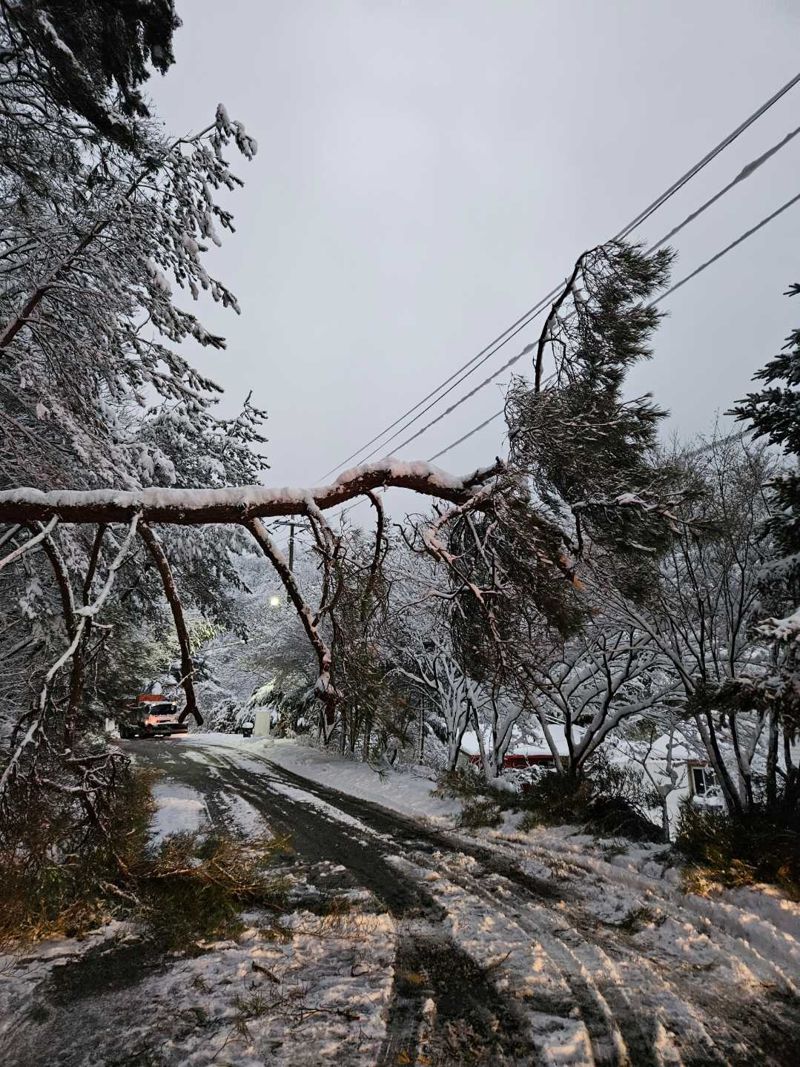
[[152, 715]]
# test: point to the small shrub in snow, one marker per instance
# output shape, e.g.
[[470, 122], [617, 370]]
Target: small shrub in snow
[[609, 802], [723, 850], [461, 782], [637, 918], [483, 812]]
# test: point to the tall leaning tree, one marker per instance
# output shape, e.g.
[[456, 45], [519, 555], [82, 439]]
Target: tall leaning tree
[[590, 500]]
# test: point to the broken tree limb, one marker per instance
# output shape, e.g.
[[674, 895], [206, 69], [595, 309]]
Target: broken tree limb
[[60, 573], [174, 600], [94, 557], [196, 507]]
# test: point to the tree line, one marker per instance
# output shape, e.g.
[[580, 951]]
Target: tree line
[[593, 580]]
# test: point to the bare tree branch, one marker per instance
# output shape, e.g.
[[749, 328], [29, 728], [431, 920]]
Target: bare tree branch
[[324, 688], [32, 542]]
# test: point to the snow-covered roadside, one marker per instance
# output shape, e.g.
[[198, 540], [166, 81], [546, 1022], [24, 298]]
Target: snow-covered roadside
[[293, 989], [754, 911], [618, 877], [318, 991], [318, 994], [757, 912], [23, 970], [408, 792]]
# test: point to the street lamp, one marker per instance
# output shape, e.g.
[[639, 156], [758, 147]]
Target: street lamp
[[274, 601]]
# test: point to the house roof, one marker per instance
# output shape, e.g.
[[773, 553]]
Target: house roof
[[535, 747]]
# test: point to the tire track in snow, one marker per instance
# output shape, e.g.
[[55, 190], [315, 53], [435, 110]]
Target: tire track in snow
[[678, 995], [739, 929], [632, 1011], [488, 1021], [616, 1031]]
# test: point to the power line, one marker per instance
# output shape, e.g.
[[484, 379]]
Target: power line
[[730, 247], [466, 436], [743, 174], [699, 270], [503, 338], [679, 184], [481, 357], [668, 292], [747, 171], [448, 411]]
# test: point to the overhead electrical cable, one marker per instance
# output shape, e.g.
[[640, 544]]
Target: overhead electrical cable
[[728, 248], [494, 346], [743, 174], [467, 436], [482, 356], [723, 144], [668, 292], [747, 171]]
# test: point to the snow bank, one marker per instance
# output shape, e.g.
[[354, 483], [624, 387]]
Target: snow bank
[[408, 792]]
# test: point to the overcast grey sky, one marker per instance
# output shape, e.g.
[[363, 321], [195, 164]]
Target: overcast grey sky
[[428, 169]]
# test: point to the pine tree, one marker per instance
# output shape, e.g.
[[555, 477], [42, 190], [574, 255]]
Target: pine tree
[[92, 55], [591, 454], [774, 413], [103, 243]]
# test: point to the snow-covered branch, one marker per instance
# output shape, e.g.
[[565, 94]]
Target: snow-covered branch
[[240, 504], [84, 615], [32, 542]]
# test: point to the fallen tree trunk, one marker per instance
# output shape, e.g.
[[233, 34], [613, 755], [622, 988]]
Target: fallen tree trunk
[[239, 504]]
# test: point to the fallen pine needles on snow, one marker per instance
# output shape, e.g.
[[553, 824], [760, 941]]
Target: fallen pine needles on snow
[[63, 879]]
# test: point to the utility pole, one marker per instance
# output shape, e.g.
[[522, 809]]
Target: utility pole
[[291, 546]]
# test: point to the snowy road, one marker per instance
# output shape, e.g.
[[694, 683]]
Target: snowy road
[[520, 966], [503, 949]]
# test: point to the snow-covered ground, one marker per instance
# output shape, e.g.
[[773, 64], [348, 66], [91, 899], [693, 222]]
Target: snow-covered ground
[[410, 793], [546, 945], [294, 989], [317, 993]]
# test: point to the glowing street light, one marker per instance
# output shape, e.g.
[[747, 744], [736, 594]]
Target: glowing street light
[[274, 601]]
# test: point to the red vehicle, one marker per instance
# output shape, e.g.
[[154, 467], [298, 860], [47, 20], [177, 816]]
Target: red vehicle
[[152, 715], [516, 761]]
